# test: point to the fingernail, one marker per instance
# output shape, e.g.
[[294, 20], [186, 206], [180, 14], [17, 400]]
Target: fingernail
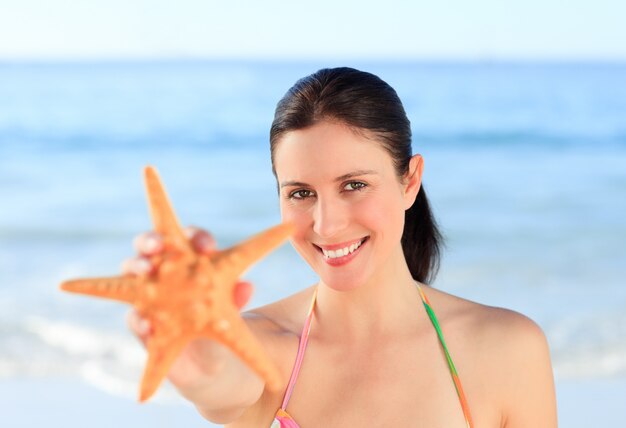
[[143, 326], [190, 231], [126, 266], [203, 242], [151, 244], [142, 265]]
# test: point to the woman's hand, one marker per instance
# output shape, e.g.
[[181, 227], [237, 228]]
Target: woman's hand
[[150, 244], [202, 362]]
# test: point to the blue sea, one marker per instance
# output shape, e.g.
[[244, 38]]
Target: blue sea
[[525, 165]]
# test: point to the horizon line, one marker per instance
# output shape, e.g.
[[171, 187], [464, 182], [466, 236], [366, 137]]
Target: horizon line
[[547, 60]]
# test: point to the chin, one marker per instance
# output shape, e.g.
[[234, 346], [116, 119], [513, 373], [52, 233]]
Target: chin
[[342, 283]]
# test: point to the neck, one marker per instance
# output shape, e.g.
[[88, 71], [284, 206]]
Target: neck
[[384, 306]]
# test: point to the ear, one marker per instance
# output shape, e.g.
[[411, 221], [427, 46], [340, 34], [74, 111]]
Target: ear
[[413, 180]]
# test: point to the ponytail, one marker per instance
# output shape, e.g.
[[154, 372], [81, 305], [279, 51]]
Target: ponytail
[[421, 240]]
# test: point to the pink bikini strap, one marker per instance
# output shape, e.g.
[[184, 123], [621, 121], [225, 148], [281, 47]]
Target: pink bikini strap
[[304, 337]]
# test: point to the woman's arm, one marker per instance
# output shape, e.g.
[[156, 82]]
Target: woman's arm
[[208, 374], [529, 398], [222, 393]]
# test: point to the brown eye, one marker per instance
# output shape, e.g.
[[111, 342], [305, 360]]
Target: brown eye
[[300, 194], [354, 185]]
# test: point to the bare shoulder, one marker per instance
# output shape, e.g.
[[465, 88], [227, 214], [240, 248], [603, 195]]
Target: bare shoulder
[[506, 353], [488, 326], [284, 316]]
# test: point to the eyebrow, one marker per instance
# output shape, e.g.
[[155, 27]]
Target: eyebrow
[[344, 177]]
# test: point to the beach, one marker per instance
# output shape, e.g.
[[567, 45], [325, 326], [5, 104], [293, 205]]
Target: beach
[[28, 403]]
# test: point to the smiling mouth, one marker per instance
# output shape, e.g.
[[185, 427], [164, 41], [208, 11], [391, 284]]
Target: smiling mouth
[[342, 252]]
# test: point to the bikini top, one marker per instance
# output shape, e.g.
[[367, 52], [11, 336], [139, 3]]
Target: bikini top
[[282, 419]]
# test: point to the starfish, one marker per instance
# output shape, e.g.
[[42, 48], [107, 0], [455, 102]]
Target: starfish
[[190, 296]]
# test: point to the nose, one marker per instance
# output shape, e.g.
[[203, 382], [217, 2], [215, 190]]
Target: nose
[[329, 218]]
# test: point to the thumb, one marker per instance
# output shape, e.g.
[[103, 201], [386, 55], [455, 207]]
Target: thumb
[[242, 293]]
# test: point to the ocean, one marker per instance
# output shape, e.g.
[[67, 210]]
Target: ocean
[[525, 166]]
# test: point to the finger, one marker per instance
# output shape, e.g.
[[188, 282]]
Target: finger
[[148, 244], [201, 240], [137, 266], [242, 293]]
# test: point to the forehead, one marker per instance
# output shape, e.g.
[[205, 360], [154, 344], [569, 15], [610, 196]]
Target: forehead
[[328, 149]]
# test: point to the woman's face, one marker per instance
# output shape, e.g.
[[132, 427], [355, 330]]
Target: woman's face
[[342, 193]]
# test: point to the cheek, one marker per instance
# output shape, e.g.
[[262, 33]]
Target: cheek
[[298, 217], [302, 226], [383, 215]]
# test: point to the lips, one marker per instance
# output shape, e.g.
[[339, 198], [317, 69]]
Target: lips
[[338, 254]]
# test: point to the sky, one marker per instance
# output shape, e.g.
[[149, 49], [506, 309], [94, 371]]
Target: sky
[[319, 29]]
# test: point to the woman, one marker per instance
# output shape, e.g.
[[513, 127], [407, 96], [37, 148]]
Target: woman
[[371, 344]]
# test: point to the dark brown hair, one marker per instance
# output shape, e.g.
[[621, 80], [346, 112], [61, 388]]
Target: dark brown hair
[[364, 102]]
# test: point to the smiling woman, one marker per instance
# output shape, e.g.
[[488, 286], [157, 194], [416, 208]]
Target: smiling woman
[[379, 341], [336, 204]]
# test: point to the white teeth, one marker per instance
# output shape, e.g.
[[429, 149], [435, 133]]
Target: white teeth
[[333, 254]]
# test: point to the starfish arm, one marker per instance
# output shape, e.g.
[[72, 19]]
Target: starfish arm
[[162, 213], [234, 261], [161, 356], [120, 288], [236, 335]]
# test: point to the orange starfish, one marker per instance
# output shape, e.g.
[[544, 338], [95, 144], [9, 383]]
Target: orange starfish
[[191, 295]]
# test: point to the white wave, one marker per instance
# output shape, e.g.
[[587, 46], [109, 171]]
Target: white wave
[[96, 374], [110, 361], [75, 340], [592, 346]]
